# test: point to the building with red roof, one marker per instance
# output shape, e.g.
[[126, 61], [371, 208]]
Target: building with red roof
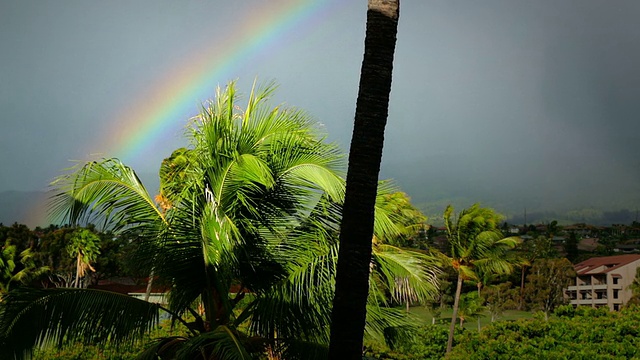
[[604, 281]]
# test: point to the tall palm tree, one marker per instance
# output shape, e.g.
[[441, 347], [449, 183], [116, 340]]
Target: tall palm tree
[[475, 243], [252, 205], [365, 155]]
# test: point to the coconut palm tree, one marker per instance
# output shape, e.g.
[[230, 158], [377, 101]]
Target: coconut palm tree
[[365, 155], [244, 236], [475, 243]]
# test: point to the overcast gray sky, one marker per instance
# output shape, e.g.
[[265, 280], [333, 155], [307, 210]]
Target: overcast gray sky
[[533, 102]]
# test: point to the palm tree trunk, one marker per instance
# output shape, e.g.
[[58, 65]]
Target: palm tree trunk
[[454, 315], [479, 288], [78, 265], [352, 279], [147, 293], [524, 269]]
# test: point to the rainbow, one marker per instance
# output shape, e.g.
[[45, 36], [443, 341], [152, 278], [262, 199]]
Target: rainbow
[[155, 115], [175, 99]]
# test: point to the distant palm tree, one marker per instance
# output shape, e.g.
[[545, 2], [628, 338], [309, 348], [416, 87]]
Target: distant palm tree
[[475, 243], [253, 205], [365, 155]]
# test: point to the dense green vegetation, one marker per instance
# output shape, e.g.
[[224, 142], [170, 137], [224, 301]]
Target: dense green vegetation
[[49, 263], [582, 333], [244, 237], [126, 351]]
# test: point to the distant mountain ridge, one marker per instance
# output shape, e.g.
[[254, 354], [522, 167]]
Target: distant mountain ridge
[[432, 189], [30, 207]]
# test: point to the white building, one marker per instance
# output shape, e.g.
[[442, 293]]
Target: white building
[[604, 281]]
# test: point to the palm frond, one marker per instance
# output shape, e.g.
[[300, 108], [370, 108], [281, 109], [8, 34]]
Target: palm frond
[[380, 318], [164, 348], [298, 306], [33, 317], [222, 343], [409, 276], [104, 191], [295, 349]]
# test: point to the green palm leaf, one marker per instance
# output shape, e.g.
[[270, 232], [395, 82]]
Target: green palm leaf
[[106, 190], [221, 343], [410, 276], [33, 317]]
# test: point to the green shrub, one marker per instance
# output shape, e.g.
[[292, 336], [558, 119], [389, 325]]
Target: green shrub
[[424, 342], [107, 351], [581, 333]]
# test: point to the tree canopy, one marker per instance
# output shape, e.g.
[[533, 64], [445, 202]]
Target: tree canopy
[[244, 234]]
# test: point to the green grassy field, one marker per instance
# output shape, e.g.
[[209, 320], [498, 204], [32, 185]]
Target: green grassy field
[[470, 324]]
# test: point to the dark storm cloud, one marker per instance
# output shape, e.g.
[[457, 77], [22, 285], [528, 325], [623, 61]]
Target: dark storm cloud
[[522, 102], [513, 103]]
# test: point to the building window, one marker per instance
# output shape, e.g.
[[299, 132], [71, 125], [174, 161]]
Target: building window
[[616, 307], [615, 281], [615, 293]]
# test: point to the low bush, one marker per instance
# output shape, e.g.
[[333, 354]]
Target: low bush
[[581, 333], [128, 351]]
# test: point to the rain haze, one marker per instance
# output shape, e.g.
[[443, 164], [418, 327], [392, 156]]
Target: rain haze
[[514, 104]]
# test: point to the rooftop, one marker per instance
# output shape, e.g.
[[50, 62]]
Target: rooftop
[[603, 265]]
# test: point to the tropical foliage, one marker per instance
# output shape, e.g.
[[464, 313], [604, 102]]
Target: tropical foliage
[[84, 245], [244, 234], [500, 297], [581, 333], [421, 343], [635, 289], [546, 283], [17, 269], [476, 245], [569, 333]]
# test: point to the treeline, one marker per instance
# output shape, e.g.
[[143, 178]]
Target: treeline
[[586, 215], [543, 269], [60, 256], [592, 216]]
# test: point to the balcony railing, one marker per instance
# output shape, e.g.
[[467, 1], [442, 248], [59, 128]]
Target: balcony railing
[[588, 301], [591, 287]]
